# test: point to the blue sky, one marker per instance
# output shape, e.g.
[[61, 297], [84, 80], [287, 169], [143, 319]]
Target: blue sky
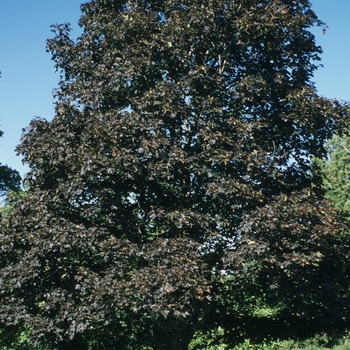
[[28, 76]]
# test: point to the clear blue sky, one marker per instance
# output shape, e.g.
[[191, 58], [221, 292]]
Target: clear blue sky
[[28, 76]]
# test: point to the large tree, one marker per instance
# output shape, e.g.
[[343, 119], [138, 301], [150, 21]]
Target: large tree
[[175, 178]]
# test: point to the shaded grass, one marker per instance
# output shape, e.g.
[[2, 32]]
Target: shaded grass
[[317, 342]]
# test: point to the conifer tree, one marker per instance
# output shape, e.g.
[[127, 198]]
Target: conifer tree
[[336, 170]]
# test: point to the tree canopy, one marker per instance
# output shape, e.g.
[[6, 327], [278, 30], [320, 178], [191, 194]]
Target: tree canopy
[[175, 180]]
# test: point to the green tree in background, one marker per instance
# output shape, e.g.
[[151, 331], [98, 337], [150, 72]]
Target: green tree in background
[[174, 182], [9, 178], [336, 170]]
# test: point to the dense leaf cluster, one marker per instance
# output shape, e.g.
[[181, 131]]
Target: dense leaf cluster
[[175, 178]]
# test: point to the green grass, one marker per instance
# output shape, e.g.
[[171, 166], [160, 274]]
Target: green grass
[[20, 341], [318, 342]]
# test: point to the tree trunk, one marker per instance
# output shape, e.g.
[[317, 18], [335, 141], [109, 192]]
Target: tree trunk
[[76, 343], [175, 341]]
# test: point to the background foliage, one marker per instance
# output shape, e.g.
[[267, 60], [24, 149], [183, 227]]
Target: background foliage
[[336, 170], [9, 178]]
